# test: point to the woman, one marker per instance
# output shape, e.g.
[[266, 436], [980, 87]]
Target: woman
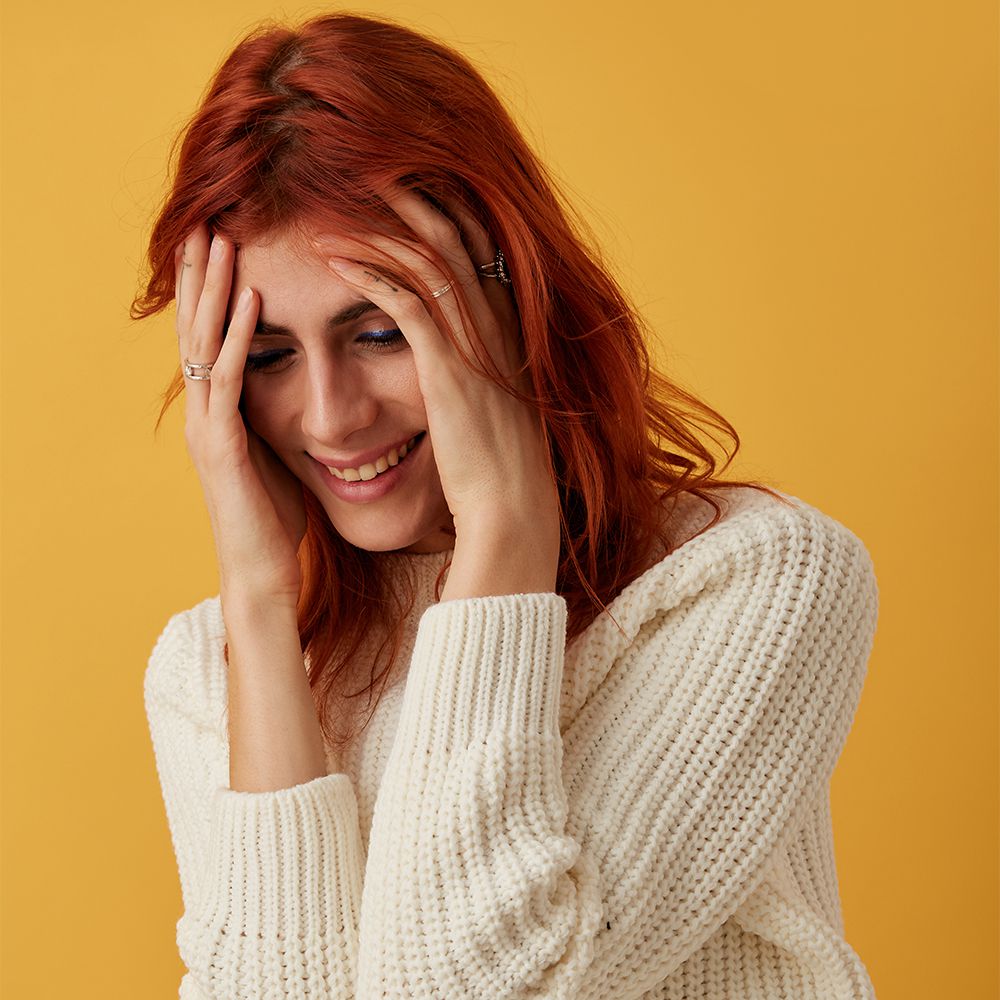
[[504, 692]]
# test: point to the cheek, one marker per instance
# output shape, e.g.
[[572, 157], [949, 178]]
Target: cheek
[[391, 386], [400, 382], [265, 408]]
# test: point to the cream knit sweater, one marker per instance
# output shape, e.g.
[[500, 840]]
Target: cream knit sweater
[[638, 816]]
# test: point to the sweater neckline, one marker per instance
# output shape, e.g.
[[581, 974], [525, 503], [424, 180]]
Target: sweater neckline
[[416, 557]]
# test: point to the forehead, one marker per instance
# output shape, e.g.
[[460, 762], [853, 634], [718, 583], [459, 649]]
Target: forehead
[[289, 274], [279, 258]]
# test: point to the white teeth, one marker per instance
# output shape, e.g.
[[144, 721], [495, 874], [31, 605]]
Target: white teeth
[[371, 469]]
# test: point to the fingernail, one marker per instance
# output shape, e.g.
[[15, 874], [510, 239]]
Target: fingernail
[[243, 303], [217, 248], [339, 265]]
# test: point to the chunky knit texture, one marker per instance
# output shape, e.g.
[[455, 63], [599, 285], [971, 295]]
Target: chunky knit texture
[[631, 816]]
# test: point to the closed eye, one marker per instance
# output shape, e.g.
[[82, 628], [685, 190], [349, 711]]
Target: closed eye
[[265, 361], [381, 340], [373, 340]]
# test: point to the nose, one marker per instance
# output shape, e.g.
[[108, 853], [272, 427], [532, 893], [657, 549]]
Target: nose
[[338, 401]]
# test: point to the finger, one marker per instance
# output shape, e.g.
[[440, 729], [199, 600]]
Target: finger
[[194, 259], [178, 273], [205, 338], [189, 284], [475, 237], [227, 372], [466, 243], [386, 254], [485, 296], [397, 256], [395, 260], [405, 307], [433, 228], [489, 311], [483, 251], [203, 341]]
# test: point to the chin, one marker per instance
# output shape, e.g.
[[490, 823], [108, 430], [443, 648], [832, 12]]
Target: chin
[[375, 542], [381, 534]]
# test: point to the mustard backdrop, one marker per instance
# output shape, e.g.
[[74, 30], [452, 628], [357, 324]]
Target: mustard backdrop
[[803, 199]]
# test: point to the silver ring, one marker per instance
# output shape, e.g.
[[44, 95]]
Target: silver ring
[[191, 370], [441, 291], [496, 268]]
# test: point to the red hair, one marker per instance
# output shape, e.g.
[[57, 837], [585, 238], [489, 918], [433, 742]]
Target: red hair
[[303, 129]]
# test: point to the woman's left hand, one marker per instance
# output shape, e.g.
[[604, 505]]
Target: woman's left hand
[[488, 446]]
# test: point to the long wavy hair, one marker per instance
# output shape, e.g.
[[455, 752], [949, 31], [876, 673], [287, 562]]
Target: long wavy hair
[[304, 129]]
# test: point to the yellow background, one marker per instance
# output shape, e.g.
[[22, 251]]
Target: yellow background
[[803, 199]]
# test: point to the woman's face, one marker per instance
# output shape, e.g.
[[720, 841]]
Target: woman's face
[[331, 381]]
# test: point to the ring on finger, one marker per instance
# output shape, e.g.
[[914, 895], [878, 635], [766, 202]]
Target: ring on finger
[[496, 268], [441, 291], [191, 371]]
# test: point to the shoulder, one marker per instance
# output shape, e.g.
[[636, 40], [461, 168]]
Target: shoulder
[[752, 520], [754, 531], [763, 541], [186, 667], [787, 557]]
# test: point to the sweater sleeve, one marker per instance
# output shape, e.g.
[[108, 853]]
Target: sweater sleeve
[[509, 859], [271, 881]]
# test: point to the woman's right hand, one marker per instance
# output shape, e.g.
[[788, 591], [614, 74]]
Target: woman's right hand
[[255, 504]]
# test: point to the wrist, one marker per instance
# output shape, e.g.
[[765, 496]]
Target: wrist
[[493, 563], [257, 609], [501, 532]]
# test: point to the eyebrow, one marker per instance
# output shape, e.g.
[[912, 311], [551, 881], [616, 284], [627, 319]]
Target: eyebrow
[[346, 315]]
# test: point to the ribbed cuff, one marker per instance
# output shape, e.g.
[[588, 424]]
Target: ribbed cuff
[[287, 862], [482, 665]]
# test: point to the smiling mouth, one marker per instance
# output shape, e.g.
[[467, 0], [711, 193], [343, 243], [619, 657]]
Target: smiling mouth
[[372, 470]]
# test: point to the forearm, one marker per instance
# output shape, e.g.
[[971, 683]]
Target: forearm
[[275, 740]]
